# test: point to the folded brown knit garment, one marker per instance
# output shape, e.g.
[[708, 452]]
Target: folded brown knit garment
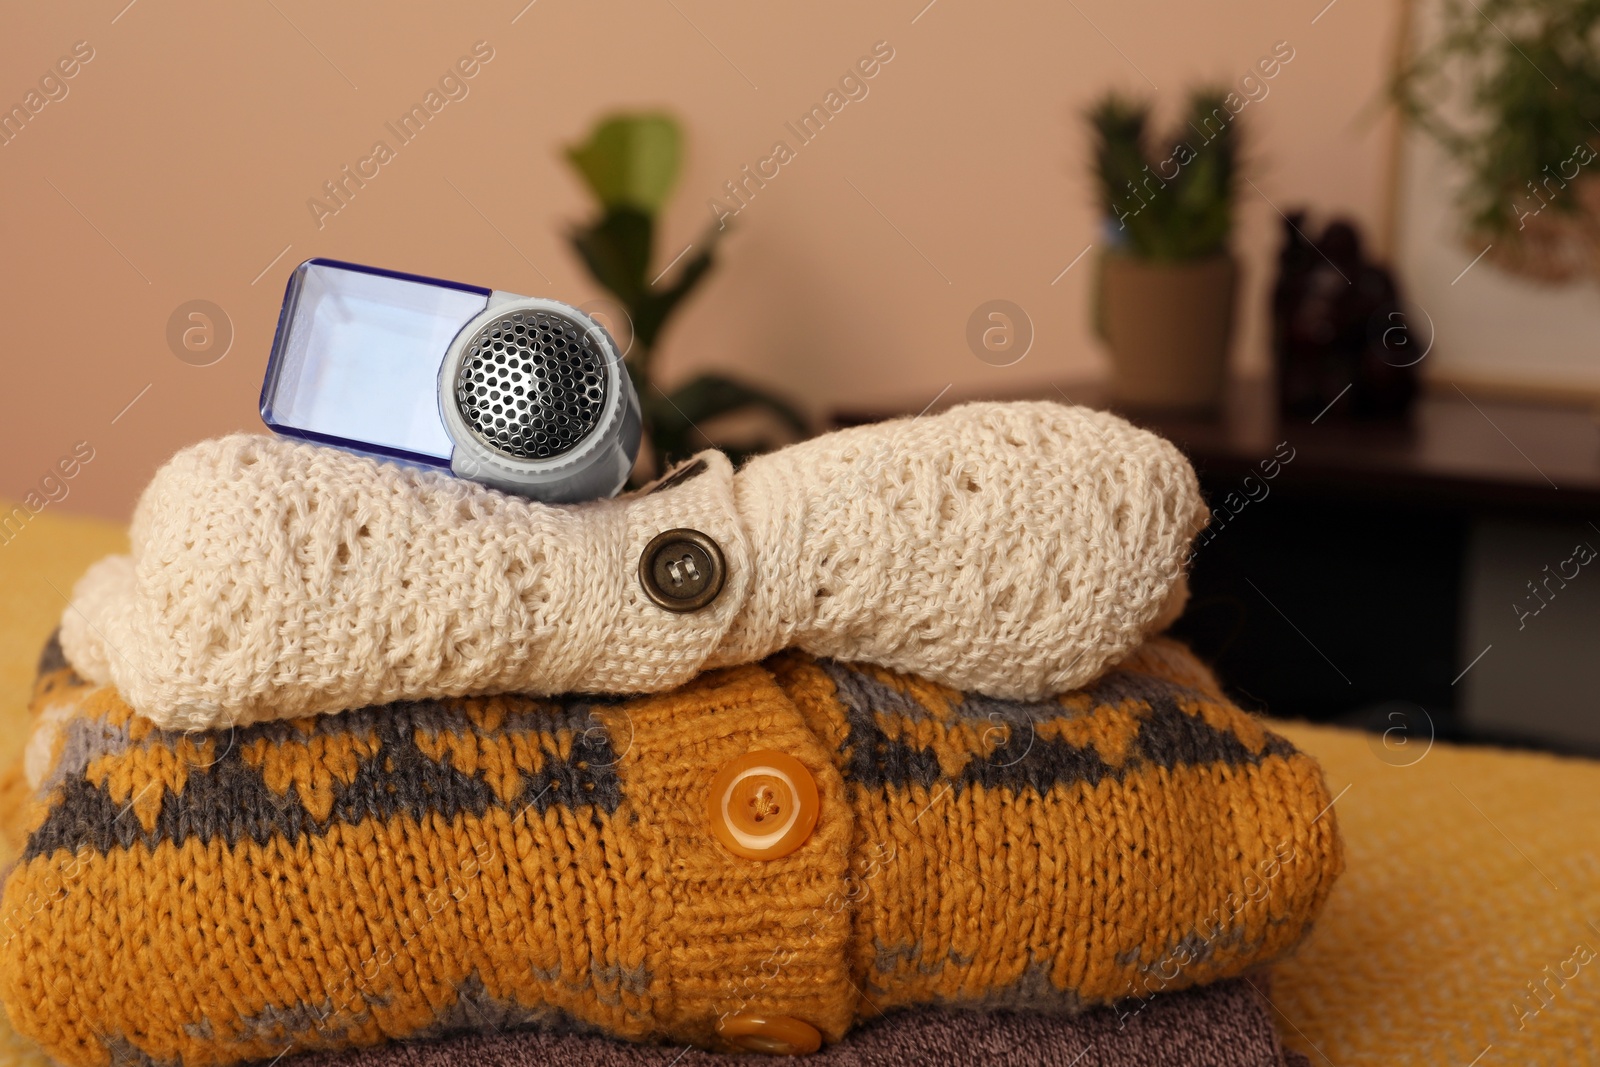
[[1229, 1023]]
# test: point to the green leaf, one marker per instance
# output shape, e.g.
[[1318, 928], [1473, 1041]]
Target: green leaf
[[711, 395], [672, 437], [655, 306], [630, 160], [1509, 89], [617, 250], [675, 422]]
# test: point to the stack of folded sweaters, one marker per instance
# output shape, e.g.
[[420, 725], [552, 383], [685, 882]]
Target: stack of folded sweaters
[[872, 747]]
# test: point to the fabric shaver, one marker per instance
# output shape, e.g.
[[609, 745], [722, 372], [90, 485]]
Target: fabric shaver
[[524, 394]]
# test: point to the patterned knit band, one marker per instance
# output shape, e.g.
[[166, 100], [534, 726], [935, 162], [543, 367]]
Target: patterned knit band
[[427, 867]]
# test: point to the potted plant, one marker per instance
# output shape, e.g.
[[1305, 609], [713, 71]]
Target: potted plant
[[1511, 91], [1167, 282], [630, 163]]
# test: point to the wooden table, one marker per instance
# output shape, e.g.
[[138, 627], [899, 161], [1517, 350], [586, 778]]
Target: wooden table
[[1456, 450]]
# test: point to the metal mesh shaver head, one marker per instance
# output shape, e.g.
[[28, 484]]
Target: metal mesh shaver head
[[536, 399], [532, 384]]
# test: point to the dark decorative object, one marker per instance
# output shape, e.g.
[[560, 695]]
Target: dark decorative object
[[1338, 325]]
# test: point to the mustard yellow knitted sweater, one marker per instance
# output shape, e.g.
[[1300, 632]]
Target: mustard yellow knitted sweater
[[417, 868]]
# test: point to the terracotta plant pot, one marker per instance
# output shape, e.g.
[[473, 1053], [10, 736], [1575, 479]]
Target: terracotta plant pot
[[1169, 326]]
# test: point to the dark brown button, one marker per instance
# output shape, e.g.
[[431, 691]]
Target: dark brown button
[[681, 570]]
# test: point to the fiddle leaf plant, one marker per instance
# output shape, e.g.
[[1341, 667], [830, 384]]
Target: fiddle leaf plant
[[630, 163]]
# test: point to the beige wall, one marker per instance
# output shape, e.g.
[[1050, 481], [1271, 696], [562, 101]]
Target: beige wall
[[181, 160]]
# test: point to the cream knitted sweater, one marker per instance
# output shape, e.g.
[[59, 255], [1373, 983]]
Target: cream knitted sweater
[[1012, 549]]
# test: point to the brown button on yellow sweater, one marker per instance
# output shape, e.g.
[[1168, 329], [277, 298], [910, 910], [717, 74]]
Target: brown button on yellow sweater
[[423, 867]]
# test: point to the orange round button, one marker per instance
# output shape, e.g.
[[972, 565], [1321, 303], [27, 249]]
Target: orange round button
[[776, 1035], [763, 805]]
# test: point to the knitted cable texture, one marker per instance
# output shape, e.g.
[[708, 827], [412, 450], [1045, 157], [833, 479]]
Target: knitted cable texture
[[204, 898], [1007, 549]]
